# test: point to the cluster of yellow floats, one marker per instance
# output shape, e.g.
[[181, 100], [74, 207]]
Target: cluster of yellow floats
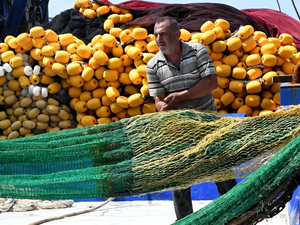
[[106, 78]]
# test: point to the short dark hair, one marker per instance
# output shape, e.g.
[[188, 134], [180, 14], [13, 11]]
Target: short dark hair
[[173, 24]]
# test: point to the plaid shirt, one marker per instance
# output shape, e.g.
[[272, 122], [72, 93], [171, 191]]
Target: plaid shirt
[[165, 78]]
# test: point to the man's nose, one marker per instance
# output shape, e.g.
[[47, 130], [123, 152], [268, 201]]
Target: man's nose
[[158, 37]]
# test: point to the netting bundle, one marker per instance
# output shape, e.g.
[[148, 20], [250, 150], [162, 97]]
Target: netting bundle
[[142, 154]]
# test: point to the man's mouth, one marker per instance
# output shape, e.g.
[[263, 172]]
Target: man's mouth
[[161, 44]]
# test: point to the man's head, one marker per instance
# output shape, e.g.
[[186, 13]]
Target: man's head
[[167, 33]]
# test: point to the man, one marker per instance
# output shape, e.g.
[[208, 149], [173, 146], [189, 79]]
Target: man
[[181, 76]]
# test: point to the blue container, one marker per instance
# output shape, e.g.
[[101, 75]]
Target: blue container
[[290, 95]]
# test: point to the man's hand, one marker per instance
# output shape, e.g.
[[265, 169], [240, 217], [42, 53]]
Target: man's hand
[[172, 100]]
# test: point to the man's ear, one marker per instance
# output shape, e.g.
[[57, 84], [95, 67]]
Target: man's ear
[[178, 33]]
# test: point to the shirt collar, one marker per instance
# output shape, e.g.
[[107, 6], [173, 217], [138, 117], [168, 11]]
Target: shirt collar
[[185, 48]]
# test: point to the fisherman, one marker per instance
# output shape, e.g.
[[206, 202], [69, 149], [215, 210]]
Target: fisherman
[[182, 76]]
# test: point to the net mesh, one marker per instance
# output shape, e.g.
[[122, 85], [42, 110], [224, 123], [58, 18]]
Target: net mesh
[[155, 152]]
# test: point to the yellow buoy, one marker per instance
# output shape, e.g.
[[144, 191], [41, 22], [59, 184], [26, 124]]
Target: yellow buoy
[[234, 44], [76, 80], [87, 74], [93, 64], [101, 57], [223, 82], [117, 51], [185, 35], [48, 50], [208, 37], [259, 34], [122, 101], [125, 36], [23, 39], [285, 52], [50, 36], [252, 100], [269, 60], [115, 108], [111, 75], [208, 25], [88, 120], [239, 73], [93, 103], [227, 98], [219, 46], [268, 104], [275, 41], [268, 78], [66, 39], [230, 60], [80, 106], [89, 13], [112, 93], [135, 77], [218, 92], [239, 53], [3, 47], [149, 108], [253, 87], [84, 51], [102, 10], [246, 31], [85, 96], [253, 60], [54, 88], [276, 98], [224, 24], [245, 109], [62, 57], [152, 47], [219, 32], [103, 111], [109, 40], [6, 56], [288, 67], [237, 103], [134, 53], [98, 93], [114, 17], [74, 68], [249, 44], [108, 25], [286, 39], [236, 86], [37, 31], [134, 111], [16, 61], [216, 56], [223, 70], [114, 63], [75, 92], [139, 33]]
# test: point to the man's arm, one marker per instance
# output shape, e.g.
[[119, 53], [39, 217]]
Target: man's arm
[[203, 87]]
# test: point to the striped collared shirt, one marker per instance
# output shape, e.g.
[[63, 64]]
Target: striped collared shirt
[[164, 78]]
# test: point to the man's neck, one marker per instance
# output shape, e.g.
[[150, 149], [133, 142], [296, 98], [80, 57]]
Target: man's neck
[[175, 56]]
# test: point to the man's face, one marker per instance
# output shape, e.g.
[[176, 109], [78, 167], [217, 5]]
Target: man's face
[[166, 39]]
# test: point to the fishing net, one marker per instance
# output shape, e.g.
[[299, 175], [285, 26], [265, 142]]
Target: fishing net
[[142, 154]]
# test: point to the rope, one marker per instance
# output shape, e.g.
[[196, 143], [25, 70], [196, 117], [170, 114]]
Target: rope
[[71, 214]]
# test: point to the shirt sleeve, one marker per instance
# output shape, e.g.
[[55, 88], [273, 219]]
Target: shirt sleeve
[[155, 86], [205, 64]]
